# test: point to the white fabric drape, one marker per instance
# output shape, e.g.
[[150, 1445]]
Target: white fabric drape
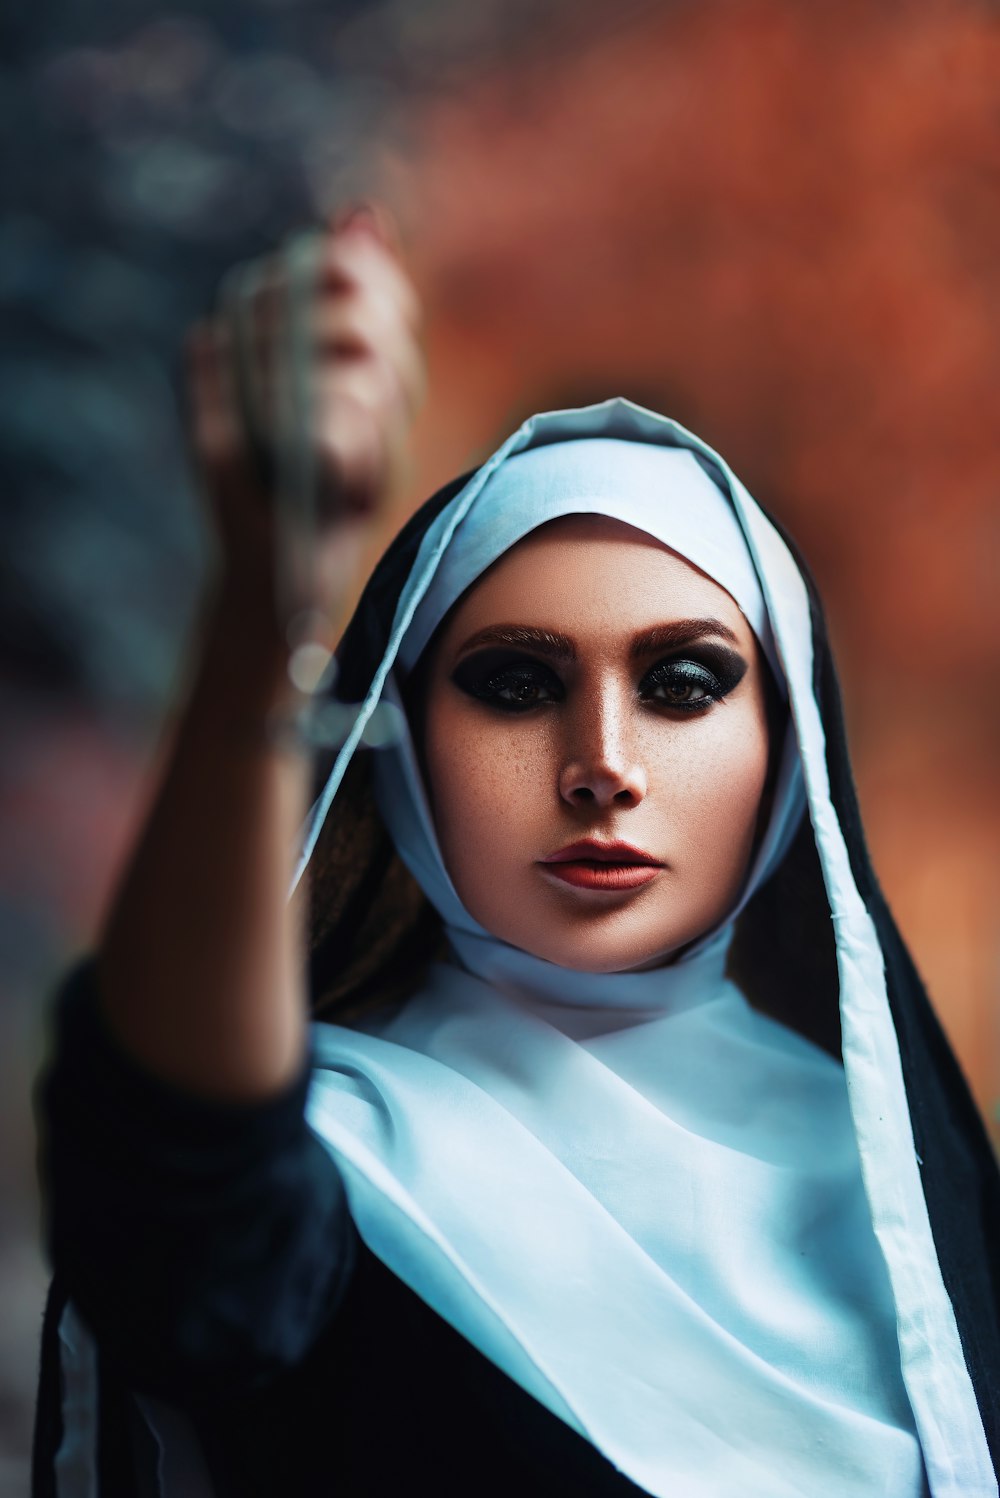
[[685, 1230]]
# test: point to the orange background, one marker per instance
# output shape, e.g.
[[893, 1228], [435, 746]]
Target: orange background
[[778, 223]]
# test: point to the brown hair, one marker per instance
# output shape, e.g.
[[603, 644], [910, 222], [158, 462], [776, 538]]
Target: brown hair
[[372, 930]]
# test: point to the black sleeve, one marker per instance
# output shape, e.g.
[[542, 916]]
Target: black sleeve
[[207, 1245]]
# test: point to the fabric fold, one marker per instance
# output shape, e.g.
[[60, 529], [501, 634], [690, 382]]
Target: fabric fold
[[528, 1169]]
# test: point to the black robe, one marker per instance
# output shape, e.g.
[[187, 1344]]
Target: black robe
[[212, 1250]]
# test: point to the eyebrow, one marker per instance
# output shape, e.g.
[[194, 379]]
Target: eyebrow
[[561, 648]]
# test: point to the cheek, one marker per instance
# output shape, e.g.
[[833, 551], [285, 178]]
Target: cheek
[[483, 787], [706, 779], [713, 787]]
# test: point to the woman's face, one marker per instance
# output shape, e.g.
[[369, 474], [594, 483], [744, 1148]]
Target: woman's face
[[593, 686]]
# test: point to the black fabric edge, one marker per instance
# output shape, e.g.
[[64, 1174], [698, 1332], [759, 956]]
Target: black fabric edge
[[949, 1126], [929, 1064], [48, 1428]]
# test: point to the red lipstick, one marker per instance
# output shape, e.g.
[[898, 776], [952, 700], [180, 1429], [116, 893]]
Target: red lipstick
[[608, 866]]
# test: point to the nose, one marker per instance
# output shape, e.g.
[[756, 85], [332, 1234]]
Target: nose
[[602, 766]]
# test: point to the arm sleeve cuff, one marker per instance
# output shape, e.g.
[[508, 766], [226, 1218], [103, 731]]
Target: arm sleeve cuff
[[208, 1244]]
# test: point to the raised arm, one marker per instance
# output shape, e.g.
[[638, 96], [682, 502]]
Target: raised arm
[[199, 967]]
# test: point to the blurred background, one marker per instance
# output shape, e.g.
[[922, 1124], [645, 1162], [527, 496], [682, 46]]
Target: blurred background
[[779, 223]]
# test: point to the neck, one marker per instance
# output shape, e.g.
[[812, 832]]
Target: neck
[[695, 976]]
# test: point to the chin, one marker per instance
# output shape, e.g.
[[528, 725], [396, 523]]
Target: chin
[[603, 956], [626, 939]]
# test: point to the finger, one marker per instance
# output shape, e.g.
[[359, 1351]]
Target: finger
[[210, 405], [355, 331], [260, 314], [352, 450], [371, 382], [350, 263], [351, 332], [216, 429], [345, 270], [362, 419], [375, 308], [372, 217], [386, 365], [366, 322]]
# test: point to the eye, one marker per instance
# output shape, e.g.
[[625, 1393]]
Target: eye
[[690, 685], [514, 687]]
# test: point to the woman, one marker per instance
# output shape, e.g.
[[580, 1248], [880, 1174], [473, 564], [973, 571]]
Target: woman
[[551, 1204]]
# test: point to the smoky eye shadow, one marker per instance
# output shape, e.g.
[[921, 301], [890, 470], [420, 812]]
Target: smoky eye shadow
[[727, 666], [474, 673]]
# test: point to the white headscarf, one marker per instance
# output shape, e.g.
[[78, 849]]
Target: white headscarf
[[669, 1218], [660, 490]]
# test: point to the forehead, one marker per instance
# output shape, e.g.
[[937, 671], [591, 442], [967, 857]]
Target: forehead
[[592, 571]]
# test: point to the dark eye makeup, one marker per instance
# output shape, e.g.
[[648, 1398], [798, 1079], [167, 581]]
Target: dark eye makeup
[[513, 682], [507, 680]]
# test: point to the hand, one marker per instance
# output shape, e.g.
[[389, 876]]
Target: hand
[[365, 378]]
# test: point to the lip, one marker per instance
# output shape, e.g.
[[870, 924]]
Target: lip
[[602, 866], [608, 876], [591, 851]]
